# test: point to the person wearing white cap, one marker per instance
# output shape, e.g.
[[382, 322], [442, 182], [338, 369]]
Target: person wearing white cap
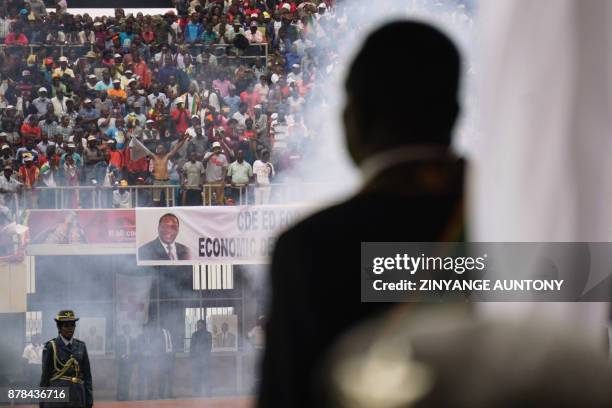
[[63, 68], [92, 155], [260, 122], [90, 84], [254, 35], [295, 75], [28, 175], [59, 103], [216, 171], [149, 132], [264, 172], [116, 92], [127, 79], [6, 155], [88, 112], [8, 185], [42, 102]]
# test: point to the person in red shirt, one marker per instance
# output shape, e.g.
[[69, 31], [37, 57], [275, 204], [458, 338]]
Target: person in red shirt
[[148, 35], [136, 168], [115, 157], [181, 116], [31, 129], [28, 175], [16, 37]]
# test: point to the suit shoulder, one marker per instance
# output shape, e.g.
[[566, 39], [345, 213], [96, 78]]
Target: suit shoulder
[[182, 246], [149, 244], [314, 222]]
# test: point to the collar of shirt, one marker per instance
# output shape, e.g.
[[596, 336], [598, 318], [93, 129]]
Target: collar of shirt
[[172, 247], [375, 164], [65, 340]]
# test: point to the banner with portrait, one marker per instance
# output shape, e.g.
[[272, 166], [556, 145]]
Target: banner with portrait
[[229, 235]]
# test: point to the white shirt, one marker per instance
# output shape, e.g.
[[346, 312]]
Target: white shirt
[[122, 200], [263, 171], [240, 118], [171, 250], [10, 185], [59, 107]]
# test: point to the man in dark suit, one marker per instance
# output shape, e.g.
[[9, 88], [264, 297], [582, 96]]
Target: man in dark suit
[[199, 351], [400, 137], [164, 246]]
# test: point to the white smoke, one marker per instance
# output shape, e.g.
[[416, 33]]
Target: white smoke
[[328, 163]]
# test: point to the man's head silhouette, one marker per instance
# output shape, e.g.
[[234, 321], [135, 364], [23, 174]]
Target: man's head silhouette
[[419, 107]]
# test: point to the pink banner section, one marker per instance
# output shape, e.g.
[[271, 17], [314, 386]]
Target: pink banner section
[[58, 227]]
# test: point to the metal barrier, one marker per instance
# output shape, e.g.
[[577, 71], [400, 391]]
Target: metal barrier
[[72, 197]]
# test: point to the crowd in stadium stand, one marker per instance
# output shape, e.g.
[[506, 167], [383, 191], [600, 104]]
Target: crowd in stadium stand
[[210, 95]]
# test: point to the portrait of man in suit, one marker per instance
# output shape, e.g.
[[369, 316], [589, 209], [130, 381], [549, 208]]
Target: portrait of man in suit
[[225, 338], [165, 247]]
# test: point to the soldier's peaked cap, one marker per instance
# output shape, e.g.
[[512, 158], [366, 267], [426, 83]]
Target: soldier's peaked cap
[[66, 316]]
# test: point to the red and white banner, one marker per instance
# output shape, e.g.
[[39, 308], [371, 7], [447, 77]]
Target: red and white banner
[[62, 232], [230, 235]]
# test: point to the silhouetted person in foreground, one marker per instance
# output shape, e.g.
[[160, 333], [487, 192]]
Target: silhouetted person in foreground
[[400, 137]]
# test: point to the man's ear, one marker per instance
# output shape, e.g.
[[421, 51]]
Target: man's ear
[[353, 134]]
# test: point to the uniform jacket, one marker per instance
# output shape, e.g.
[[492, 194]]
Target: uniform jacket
[[81, 394]]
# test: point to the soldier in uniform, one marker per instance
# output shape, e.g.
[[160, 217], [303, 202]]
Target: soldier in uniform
[[66, 364]]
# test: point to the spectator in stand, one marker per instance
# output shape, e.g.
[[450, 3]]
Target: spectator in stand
[[59, 103], [31, 129], [193, 30], [6, 156], [28, 176], [239, 175], [48, 125], [122, 197], [72, 154], [63, 68], [216, 171], [41, 104], [192, 180], [116, 93], [159, 61], [241, 116], [160, 168], [70, 178], [9, 185], [44, 143], [264, 172], [180, 117], [16, 36], [254, 35]]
